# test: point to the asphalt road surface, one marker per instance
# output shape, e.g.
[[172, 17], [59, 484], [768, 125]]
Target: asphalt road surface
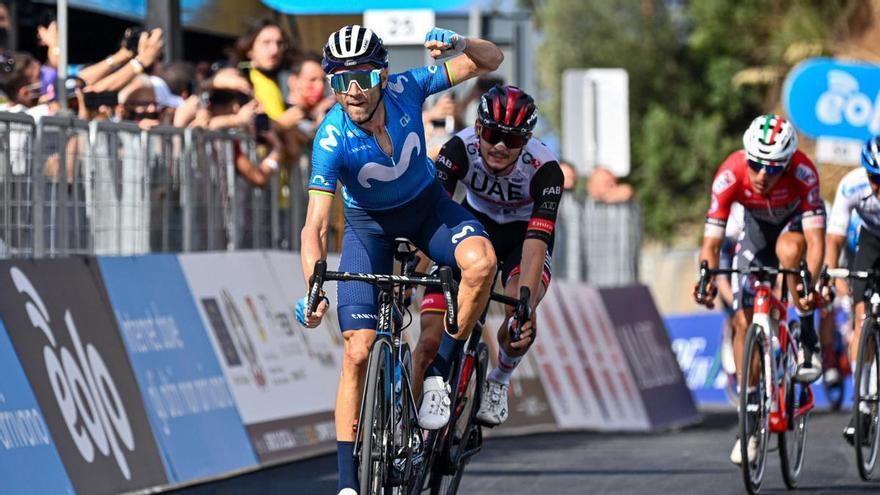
[[690, 461]]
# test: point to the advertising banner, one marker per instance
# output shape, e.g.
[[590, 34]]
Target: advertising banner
[[582, 366], [645, 343], [696, 340], [71, 351], [278, 372], [192, 411], [826, 97], [25, 442]]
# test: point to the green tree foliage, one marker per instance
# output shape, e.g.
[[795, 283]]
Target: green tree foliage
[[699, 72]]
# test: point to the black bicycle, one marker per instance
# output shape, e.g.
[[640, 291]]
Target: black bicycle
[[867, 375], [388, 440], [450, 448]]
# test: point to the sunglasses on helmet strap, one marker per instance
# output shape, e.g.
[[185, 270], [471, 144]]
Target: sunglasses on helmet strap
[[364, 79], [771, 168], [493, 136]]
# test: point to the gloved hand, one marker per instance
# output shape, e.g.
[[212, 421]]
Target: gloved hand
[[313, 319], [439, 41]]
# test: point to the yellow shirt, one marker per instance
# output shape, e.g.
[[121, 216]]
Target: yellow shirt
[[267, 92]]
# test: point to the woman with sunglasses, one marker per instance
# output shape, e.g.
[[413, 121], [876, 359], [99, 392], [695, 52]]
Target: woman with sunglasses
[[373, 142], [514, 185], [858, 191], [778, 187]]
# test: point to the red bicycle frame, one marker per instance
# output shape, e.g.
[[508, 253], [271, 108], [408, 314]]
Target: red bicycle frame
[[770, 313]]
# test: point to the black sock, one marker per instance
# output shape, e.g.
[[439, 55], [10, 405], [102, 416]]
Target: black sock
[[449, 349], [809, 341], [345, 462]]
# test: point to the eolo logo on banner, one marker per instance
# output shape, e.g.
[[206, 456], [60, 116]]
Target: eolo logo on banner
[[82, 385], [824, 97], [72, 354]]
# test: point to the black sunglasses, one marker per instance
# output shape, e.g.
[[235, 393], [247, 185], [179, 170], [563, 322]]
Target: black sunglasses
[[874, 178], [493, 136], [770, 169]]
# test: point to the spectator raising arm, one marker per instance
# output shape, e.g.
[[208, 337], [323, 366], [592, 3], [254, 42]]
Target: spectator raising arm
[[149, 49]]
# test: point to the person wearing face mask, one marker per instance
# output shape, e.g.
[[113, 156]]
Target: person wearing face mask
[[514, 185], [20, 81]]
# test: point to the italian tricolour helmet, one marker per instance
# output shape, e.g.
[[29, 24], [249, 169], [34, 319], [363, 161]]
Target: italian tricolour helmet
[[354, 45], [770, 140], [871, 156]]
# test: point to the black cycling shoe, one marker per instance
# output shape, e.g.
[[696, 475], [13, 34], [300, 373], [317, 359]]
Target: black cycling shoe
[[849, 431]]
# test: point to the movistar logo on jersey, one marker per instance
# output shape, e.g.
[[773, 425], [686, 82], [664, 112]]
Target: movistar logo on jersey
[[383, 173], [329, 142], [397, 85]]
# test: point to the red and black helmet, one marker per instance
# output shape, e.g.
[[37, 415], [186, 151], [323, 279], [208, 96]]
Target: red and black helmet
[[508, 108]]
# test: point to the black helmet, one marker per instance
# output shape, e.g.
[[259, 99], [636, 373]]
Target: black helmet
[[509, 109], [353, 45]]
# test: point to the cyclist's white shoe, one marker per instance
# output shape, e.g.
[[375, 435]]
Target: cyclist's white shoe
[[434, 412], [493, 406], [831, 376], [736, 453], [808, 372], [347, 491]]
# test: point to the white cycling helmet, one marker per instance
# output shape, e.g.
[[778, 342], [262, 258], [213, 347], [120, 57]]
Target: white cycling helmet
[[770, 140]]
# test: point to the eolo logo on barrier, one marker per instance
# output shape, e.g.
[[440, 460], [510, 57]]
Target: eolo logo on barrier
[[82, 385], [824, 97]]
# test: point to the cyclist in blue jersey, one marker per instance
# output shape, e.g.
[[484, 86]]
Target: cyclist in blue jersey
[[373, 142]]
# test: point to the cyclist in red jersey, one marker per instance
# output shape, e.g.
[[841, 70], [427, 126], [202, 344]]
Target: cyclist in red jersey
[[778, 186]]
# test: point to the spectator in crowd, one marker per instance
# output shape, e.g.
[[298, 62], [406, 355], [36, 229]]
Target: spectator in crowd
[[20, 82], [603, 187], [138, 53], [259, 55], [137, 103], [308, 97], [5, 24], [569, 175]]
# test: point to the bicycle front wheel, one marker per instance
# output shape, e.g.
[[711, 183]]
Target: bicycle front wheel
[[754, 428], [865, 406], [376, 434], [792, 443], [465, 437]]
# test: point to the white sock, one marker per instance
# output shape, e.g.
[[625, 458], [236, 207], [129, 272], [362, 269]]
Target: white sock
[[504, 370]]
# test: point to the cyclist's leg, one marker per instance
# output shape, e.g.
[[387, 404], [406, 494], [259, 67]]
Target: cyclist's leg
[[364, 249], [791, 247], [431, 318], [451, 236]]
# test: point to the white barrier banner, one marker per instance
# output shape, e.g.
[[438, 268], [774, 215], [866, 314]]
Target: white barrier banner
[[584, 372], [283, 377]]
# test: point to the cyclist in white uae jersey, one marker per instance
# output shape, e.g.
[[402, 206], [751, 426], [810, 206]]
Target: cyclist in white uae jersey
[[373, 142], [514, 185], [859, 191]]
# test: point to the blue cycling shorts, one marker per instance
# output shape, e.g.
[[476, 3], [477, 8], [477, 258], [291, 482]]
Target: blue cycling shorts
[[432, 221]]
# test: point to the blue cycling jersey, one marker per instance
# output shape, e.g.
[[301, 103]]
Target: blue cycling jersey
[[372, 180]]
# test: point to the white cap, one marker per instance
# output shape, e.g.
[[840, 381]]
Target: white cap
[[164, 96]]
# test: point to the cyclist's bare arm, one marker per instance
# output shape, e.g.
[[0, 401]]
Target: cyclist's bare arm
[[815, 238], [314, 236], [479, 57], [711, 250], [532, 266], [833, 245]]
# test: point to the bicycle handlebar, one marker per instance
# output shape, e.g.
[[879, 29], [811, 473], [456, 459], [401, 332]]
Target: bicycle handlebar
[[762, 271], [856, 274], [522, 311]]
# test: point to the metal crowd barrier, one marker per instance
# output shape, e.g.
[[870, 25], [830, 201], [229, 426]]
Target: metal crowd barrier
[[599, 243], [69, 186]]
